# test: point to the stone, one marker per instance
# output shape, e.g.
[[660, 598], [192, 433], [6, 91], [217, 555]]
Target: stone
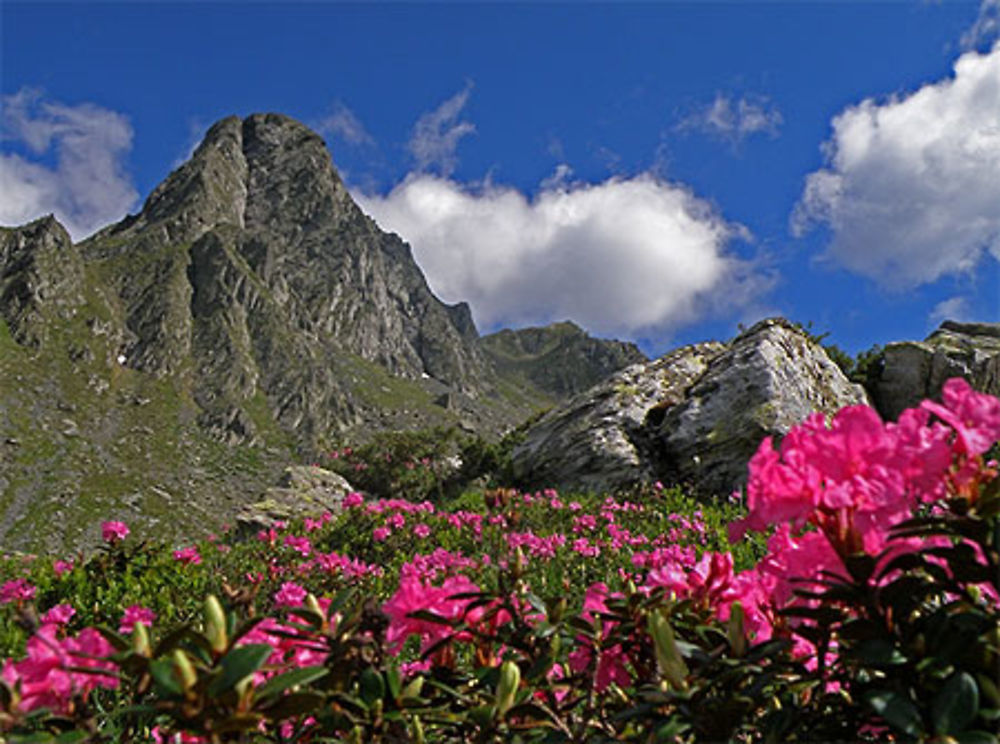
[[911, 371], [693, 417], [303, 491], [41, 279], [600, 439]]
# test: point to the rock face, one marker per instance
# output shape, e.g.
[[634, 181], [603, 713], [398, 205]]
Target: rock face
[[252, 267], [41, 279], [303, 491], [560, 359], [911, 371], [693, 417]]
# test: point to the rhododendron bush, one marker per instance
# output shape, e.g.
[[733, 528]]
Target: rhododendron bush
[[855, 598]]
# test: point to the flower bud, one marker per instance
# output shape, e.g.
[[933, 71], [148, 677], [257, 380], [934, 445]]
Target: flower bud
[[507, 686], [184, 670], [313, 604], [413, 688], [736, 630], [215, 624], [140, 640], [417, 731], [668, 658]]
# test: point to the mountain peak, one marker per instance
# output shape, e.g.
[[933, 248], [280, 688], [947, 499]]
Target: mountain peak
[[266, 170], [253, 252]]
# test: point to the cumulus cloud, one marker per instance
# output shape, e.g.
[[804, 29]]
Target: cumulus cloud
[[437, 133], [911, 191], [343, 123], [87, 187], [618, 257], [953, 308], [735, 120], [986, 27]]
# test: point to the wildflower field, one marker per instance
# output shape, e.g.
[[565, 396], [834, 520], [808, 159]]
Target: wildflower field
[[850, 594]]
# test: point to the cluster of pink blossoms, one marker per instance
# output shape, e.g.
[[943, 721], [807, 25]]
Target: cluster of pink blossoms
[[830, 490], [57, 671], [16, 590], [188, 556], [114, 532], [857, 478]]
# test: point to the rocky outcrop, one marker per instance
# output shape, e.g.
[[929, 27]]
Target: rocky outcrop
[[41, 279], [303, 491], [693, 417], [601, 438], [910, 371], [560, 359]]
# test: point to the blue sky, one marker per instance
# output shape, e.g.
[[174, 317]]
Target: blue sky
[[660, 171]]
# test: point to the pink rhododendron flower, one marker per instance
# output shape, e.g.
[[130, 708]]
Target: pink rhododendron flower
[[136, 614], [413, 595], [61, 567], [709, 581], [421, 530], [181, 737], [352, 500], [857, 477], [974, 416], [16, 590], [381, 534], [56, 670], [611, 660], [59, 615], [188, 556], [290, 595], [113, 532], [299, 544], [270, 536]]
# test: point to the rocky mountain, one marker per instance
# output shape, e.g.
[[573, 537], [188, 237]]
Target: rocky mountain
[[252, 268], [250, 314], [693, 417], [168, 368], [560, 359], [909, 371]]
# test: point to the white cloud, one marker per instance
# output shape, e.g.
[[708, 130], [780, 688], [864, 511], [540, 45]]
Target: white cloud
[[911, 191], [87, 187], [986, 27], [617, 257], [437, 133], [954, 308], [735, 120], [342, 122]]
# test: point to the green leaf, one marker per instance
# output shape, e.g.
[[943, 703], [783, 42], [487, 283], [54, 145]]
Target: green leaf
[[40, 737], [975, 737], [237, 665], [162, 671], [372, 686], [897, 711], [295, 704], [395, 681], [277, 685], [860, 566], [72, 737], [878, 652], [956, 705], [172, 640]]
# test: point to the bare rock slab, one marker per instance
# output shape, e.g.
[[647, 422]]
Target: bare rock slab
[[693, 417]]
